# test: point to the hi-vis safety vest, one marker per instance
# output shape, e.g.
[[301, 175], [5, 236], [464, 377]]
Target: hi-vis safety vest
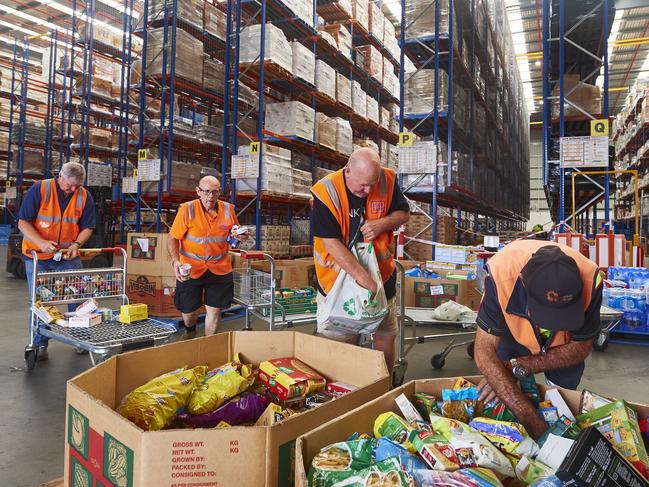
[[505, 268], [332, 192], [204, 245], [50, 224]]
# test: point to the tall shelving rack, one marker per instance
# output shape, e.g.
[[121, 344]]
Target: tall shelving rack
[[444, 50], [583, 44]]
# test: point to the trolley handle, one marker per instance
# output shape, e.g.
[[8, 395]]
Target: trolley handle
[[104, 250]]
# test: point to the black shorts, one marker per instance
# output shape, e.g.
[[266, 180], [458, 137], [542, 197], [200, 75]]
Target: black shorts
[[209, 289]]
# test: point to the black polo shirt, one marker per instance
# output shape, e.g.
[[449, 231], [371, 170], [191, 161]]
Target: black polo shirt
[[491, 319]]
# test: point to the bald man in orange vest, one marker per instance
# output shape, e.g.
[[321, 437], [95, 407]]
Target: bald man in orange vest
[[540, 314], [361, 202]]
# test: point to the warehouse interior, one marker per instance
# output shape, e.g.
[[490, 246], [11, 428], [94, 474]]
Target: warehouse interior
[[499, 125]]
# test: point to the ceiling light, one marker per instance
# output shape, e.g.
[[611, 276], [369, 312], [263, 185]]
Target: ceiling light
[[537, 63]]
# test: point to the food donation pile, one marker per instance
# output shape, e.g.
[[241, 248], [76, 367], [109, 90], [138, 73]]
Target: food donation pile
[[232, 394], [459, 441]]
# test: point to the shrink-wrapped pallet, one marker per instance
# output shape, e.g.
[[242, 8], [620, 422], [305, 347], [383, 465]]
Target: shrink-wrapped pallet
[[325, 79], [344, 138], [213, 75], [343, 89], [276, 49], [215, 21], [189, 10], [372, 61], [303, 65], [376, 21], [361, 12], [291, 118], [189, 55], [325, 131], [372, 110], [359, 99]]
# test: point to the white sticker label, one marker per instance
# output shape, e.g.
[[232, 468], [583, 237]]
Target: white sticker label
[[144, 244], [436, 290]]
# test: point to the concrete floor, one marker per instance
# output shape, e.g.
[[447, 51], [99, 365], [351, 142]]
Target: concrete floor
[[33, 404]]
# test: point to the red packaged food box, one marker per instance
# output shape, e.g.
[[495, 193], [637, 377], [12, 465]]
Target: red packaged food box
[[340, 388], [289, 378]]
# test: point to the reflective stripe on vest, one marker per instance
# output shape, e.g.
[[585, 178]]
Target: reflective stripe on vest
[[206, 258], [47, 184], [505, 268], [204, 240]]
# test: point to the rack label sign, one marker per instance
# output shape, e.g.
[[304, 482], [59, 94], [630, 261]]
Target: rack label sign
[[254, 147], [406, 139], [142, 154], [599, 127]]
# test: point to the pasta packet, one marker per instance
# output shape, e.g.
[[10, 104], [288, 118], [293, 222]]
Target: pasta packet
[[386, 473], [386, 448], [154, 405], [339, 461]]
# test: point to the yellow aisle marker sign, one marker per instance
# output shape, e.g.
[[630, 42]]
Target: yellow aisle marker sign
[[254, 147], [7, 184], [135, 172], [142, 154], [599, 128], [406, 139]]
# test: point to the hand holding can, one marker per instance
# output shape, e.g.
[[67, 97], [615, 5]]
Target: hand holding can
[[185, 271]]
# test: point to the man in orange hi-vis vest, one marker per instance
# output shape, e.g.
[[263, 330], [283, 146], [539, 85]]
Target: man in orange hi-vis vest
[[361, 202], [56, 218], [540, 314], [198, 249]]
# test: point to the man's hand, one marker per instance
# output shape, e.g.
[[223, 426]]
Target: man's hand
[[48, 246], [487, 394], [176, 266], [71, 252], [372, 229], [368, 283], [244, 236]]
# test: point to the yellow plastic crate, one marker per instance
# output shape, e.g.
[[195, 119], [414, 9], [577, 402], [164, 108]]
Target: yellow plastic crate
[[129, 313]]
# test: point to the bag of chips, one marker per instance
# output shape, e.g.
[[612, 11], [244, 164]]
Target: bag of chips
[[459, 404], [245, 408], [219, 385], [154, 405], [509, 437], [467, 477], [460, 435], [392, 426], [339, 461], [497, 410]]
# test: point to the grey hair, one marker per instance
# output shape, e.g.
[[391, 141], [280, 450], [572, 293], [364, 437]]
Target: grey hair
[[73, 170]]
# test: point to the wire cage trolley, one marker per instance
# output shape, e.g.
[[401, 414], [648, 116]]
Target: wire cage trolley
[[76, 286], [256, 291], [410, 318]]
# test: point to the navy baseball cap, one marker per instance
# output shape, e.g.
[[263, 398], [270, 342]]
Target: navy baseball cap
[[554, 290]]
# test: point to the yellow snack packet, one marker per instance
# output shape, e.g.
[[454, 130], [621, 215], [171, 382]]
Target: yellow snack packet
[[395, 428], [220, 385], [154, 405]]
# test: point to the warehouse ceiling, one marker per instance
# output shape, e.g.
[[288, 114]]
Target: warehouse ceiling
[[628, 47]]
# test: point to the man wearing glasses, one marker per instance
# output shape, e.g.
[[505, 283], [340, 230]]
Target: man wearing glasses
[[198, 249]]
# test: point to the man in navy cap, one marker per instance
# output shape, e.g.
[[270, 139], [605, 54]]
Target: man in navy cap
[[539, 313]]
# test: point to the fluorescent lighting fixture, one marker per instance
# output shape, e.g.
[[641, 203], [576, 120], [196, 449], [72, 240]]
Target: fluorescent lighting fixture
[[11, 41], [10, 56], [16, 27], [515, 22], [615, 31], [82, 17]]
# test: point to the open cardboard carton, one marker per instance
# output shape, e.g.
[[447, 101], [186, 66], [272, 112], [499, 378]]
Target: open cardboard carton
[[102, 445], [362, 419]]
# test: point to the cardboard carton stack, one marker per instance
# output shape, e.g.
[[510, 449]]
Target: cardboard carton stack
[[325, 131], [291, 118], [277, 48], [215, 21], [276, 172], [372, 61], [189, 54], [361, 12], [372, 109], [301, 182], [343, 90], [376, 21], [213, 75], [274, 239], [188, 10], [359, 99], [325, 79], [303, 65], [446, 232], [342, 36], [586, 96], [344, 137]]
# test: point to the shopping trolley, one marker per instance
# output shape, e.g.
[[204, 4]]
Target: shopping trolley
[[612, 318], [76, 286], [409, 319], [255, 289]]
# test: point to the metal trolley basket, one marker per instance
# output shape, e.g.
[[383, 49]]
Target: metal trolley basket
[[255, 290], [76, 286]]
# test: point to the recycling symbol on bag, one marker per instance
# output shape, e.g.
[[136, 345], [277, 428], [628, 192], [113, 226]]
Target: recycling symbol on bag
[[349, 307]]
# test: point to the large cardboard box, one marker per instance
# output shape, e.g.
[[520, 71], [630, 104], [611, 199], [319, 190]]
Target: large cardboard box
[[430, 293], [290, 273], [147, 254], [155, 291], [102, 445], [361, 420]]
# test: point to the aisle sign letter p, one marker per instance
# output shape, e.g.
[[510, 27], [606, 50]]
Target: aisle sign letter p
[[406, 139]]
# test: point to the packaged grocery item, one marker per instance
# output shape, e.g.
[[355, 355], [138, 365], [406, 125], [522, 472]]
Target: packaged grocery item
[[426, 404], [497, 410], [244, 408], [154, 405], [563, 427], [531, 390], [459, 404], [529, 470], [335, 462], [466, 477], [509, 437], [289, 377], [409, 412], [48, 313], [318, 398], [437, 451], [274, 414], [340, 388], [590, 401], [385, 448], [460, 435], [219, 385], [386, 473], [392, 426], [550, 415], [618, 422]]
